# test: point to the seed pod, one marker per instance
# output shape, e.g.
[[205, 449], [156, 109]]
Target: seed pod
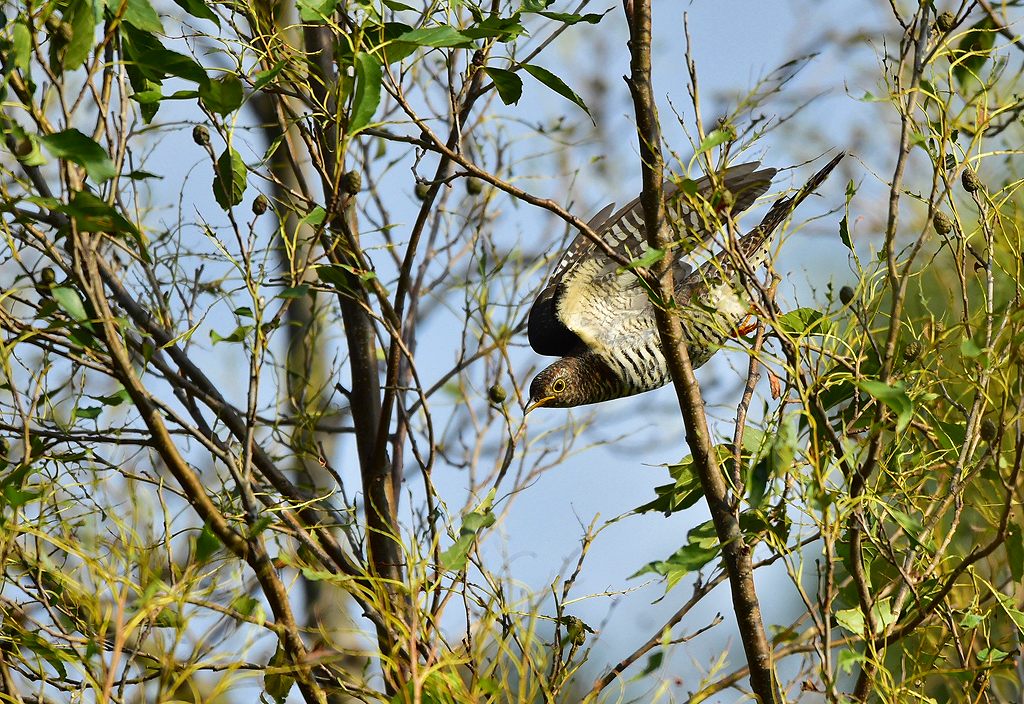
[[260, 205], [421, 190], [726, 199], [943, 225], [846, 295], [497, 394], [970, 181], [473, 186], [912, 351], [945, 22], [351, 182], [988, 430], [201, 135], [48, 276]]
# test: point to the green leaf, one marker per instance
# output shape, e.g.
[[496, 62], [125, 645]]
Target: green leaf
[[509, 85], [87, 412], [892, 395], [261, 524], [853, 619], [147, 58], [911, 525], [222, 95], [344, 276], [971, 620], [316, 10], [14, 497], [776, 462], [384, 40], [277, 678], [93, 214], [369, 75], [314, 217], [653, 663], [972, 52], [715, 138], [651, 255], [439, 687], [76, 147], [684, 493], [969, 348], [139, 175], [294, 292], [141, 15], [556, 84], [757, 482], [229, 179], [82, 19], [456, 557], [988, 655], [199, 9], [804, 321], [571, 19], [504, 29], [237, 335], [850, 659], [702, 547], [444, 36], [70, 302], [207, 545], [21, 46], [245, 605], [262, 78], [114, 399], [844, 233], [12, 491]]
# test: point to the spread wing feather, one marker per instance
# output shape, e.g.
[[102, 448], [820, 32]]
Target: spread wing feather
[[587, 302]]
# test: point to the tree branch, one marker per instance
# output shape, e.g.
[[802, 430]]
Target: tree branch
[[735, 552]]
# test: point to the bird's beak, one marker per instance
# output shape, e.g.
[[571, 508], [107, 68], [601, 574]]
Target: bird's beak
[[538, 403]]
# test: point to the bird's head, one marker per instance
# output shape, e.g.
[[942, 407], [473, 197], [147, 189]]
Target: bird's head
[[571, 381]]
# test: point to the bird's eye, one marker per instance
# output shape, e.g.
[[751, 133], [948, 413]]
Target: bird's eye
[[559, 386]]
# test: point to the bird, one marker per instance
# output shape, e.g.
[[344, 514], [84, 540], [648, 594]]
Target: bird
[[596, 315]]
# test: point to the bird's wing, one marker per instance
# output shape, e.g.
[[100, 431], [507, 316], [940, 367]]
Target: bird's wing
[[624, 230], [587, 300]]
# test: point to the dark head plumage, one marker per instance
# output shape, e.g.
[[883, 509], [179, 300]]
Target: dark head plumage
[[576, 380]]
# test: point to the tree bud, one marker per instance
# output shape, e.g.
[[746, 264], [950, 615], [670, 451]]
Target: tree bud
[[945, 22], [970, 181], [351, 182], [260, 205], [943, 225], [201, 135], [496, 394]]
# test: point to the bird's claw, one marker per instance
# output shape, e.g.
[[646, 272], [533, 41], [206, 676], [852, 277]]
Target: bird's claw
[[746, 327]]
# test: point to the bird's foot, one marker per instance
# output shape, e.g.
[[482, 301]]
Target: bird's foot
[[748, 326]]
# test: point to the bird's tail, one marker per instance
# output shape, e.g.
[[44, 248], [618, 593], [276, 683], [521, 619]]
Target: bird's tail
[[750, 243]]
